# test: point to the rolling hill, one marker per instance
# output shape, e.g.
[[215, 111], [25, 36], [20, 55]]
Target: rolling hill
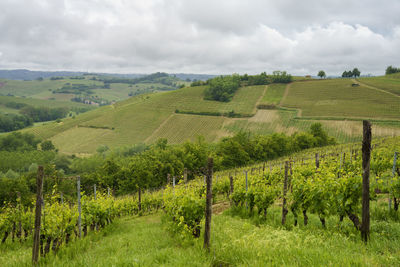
[[182, 115]]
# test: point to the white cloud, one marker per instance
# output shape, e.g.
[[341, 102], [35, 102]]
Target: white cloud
[[200, 36]]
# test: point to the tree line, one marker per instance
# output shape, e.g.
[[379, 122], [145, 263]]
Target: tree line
[[126, 169], [223, 88]]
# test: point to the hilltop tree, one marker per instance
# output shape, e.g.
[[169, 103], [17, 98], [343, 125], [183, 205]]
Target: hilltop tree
[[391, 69], [321, 74], [356, 73]]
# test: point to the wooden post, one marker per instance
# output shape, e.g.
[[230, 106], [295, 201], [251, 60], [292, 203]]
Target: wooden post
[[393, 174], [94, 191], [284, 209], [185, 173], [168, 179], [140, 199], [108, 191], [78, 187], [173, 181], [231, 186], [61, 198], [263, 167], [317, 160], [366, 157], [208, 213], [246, 187], [38, 213]]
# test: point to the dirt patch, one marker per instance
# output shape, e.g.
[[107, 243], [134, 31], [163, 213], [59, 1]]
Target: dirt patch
[[220, 207], [265, 116]]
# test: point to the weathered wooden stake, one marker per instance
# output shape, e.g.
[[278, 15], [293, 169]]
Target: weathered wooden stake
[[78, 187], [284, 209], [246, 187], [108, 191], [393, 173], [366, 158], [317, 160], [62, 198], [185, 174], [38, 213], [140, 199], [231, 186], [208, 213], [94, 191], [168, 179]]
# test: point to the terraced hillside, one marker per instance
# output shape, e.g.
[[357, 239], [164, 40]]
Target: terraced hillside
[[145, 118]]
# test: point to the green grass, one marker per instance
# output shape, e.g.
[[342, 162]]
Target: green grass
[[235, 241], [388, 83], [180, 127], [338, 98], [274, 94], [43, 103]]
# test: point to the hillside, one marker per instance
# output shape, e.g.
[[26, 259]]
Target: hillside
[[145, 118]]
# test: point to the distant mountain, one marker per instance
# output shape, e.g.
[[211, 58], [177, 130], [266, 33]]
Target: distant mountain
[[23, 74]]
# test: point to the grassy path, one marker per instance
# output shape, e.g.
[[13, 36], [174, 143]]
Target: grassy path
[[145, 241], [285, 94], [375, 88]]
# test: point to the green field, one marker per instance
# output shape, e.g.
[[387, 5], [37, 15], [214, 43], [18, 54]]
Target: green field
[[43, 89], [390, 83], [274, 94], [145, 241], [145, 118], [337, 98]]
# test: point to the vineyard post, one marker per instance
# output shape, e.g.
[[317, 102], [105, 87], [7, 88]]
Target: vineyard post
[[61, 198], [95, 197], [393, 174], [208, 213], [317, 160], [284, 210], [246, 188], [38, 213], [263, 167], [78, 187], [108, 191], [204, 179], [173, 181], [231, 186], [366, 158], [185, 173], [168, 179], [139, 199]]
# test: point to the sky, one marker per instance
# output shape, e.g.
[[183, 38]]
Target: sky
[[207, 36]]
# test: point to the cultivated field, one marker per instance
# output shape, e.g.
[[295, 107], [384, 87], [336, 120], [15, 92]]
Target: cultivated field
[[338, 98], [145, 118], [390, 83]]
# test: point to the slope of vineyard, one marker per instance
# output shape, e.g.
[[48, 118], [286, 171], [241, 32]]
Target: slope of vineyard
[[147, 117], [338, 98]]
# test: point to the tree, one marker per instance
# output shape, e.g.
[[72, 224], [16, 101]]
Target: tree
[[47, 145], [356, 73], [321, 74], [390, 70]]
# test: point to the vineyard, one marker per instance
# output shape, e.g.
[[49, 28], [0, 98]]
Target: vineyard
[[326, 185]]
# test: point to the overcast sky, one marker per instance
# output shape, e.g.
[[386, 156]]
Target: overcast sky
[[207, 36]]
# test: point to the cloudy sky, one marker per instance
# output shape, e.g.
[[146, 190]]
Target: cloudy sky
[[207, 36]]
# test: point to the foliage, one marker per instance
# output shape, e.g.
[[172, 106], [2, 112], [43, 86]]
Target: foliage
[[321, 74], [222, 88], [391, 70]]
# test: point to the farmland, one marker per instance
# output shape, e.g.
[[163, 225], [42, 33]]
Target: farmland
[[337, 98], [389, 83], [144, 118]]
